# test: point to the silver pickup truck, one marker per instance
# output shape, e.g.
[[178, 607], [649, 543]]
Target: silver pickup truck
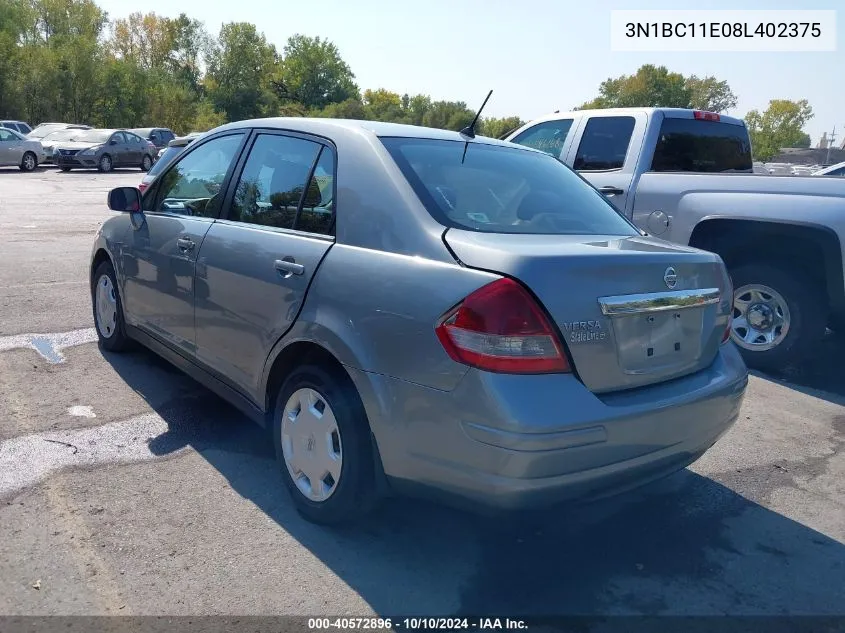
[[687, 177]]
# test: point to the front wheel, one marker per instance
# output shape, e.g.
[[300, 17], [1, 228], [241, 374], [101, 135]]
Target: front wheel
[[322, 441], [108, 309], [105, 164], [29, 162], [146, 163], [778, 319]]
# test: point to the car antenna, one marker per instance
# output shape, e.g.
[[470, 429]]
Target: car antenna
[[469, 131]]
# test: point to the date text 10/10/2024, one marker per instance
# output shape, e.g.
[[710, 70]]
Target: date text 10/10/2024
[[416, 623]]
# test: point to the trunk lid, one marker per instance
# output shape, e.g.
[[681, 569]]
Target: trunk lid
[[625, 325]]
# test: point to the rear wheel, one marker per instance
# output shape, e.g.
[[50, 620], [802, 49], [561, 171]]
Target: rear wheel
[[146, 163], [105, 164], [108, 310], [778, 317], [29, 162], [322, 441]]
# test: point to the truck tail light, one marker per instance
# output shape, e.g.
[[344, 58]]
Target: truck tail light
[[706, 116], [501, 328]]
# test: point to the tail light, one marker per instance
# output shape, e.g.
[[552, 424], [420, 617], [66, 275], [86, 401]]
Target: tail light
[[726, 335], [501, 328], [706, 116]]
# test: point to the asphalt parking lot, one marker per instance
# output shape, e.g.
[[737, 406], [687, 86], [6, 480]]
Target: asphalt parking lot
[[126, 488]]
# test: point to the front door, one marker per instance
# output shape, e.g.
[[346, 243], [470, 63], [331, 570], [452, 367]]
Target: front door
[[256, 262], [162, 247], [8, 143], [600, 153]]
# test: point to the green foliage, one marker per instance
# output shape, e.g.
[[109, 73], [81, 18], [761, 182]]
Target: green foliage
[[779, 125], [655, 86], [64, 60]]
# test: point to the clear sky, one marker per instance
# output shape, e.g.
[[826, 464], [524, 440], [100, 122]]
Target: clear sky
[[537, 55]]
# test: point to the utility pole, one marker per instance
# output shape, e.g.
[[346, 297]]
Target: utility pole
[[830, 144]]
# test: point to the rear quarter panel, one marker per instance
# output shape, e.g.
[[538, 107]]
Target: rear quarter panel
[[376, 312]]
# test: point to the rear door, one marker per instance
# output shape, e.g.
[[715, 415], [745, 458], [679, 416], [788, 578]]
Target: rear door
[[159, 259], [605, 151], [257, 261]]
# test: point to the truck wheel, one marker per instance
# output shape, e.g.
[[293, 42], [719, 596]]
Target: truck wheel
[[778, 317]]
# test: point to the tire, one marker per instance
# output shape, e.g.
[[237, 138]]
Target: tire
[[805, 313], [353, 494], [146, 163], [29, 162], [113, 338], [65, 168], [105, 164]]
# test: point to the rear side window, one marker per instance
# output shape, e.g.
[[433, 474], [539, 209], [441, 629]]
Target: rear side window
[[271, 187], [702, 146], [604, 144], [547, 136], [501, 189]]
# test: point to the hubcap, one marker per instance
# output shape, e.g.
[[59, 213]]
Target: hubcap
[[29, 162], [147, 162], [106, 307], [105, 162], [761, 318], [311, 444]]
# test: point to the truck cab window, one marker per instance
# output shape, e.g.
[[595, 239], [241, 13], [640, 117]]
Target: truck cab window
[[604, 144]]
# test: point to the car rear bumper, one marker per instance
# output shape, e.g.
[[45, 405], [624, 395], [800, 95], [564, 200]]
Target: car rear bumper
[[513, 442]]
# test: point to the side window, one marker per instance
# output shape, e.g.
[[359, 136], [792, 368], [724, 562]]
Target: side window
[[604, 143], [547, 136], [270, 188], [837, 172], [191, 186], [317, 211], [118, 136], [6, 136]]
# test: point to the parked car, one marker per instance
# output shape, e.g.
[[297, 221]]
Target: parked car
[[685, 176], [165, 157], [103, 150], [58, 135], [17, 126], [410, 307], [44, 129], [158, 136], [834, 170], [17, 150]]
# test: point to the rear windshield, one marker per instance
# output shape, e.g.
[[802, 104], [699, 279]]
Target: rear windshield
[[164, 160], [499, 189], [702, 146]]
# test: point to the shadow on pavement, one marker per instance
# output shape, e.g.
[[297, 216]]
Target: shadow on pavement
[[685, 545], [822, 372]]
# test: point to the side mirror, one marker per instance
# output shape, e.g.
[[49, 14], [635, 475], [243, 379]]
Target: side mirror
[[113, 142], [125, 199]]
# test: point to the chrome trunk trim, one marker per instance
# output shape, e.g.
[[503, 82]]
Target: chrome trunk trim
[[622, 305]]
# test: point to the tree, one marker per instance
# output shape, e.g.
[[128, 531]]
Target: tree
[[147, 40], [240, 69], [655, 86], [780, 125], [448, 115], [495, 128], [313, 73], [383, 105]]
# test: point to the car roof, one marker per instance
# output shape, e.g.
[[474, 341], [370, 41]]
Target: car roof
[[669, 113], [321, 126]]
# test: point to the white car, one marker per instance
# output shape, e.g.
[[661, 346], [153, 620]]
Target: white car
[[19, 151], [834, 170]]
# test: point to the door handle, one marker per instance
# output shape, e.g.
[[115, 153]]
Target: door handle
[[288, 266], [185, 244], [610, 190]]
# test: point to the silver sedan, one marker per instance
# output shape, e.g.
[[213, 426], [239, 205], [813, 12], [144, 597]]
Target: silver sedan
[[420, 311], [19, 151]]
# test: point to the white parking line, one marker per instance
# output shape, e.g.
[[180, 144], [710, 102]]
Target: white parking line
[[29, 459], [50, 346]]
